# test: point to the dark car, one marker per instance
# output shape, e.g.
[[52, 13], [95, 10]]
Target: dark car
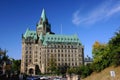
[[33, 78]]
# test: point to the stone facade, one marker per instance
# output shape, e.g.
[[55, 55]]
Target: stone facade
[[42, 45]]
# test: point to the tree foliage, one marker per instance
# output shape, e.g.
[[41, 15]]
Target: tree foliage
[[52, 65], [3, 55], [108, 54], [114, 45], [16, 65]]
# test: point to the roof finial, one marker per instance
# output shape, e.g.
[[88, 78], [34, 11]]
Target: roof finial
[[43, 15]]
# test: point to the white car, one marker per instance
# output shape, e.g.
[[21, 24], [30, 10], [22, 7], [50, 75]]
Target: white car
[[56, 79], [45, 78]]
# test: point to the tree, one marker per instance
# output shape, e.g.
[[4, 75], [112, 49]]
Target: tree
[[16, 65], [101, 57], [37, 70], [52, 65], [114, 45], [98, 51], [3, 56]]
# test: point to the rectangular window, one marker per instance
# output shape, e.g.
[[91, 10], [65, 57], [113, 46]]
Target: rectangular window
[[26, 56], [61, 55], [48, 50], [30, 48], [58, 55], [30, 56], [30, 60], [26, 52], [65, 55]]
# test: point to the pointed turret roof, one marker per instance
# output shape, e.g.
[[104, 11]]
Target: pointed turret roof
[[43, 15]]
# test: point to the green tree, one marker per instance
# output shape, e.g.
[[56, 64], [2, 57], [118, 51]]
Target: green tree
[[52, 65], [98, 51], [3, 56], [16, 65], [101, 57], [114, 45]]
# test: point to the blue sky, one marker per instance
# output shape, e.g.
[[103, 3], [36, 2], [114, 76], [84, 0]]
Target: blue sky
[[91, 20]]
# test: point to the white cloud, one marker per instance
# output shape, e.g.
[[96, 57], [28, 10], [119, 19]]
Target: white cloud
[[76, 19], [113, 11], [102, 12]]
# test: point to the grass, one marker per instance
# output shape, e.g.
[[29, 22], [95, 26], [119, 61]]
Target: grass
[[105, 74]]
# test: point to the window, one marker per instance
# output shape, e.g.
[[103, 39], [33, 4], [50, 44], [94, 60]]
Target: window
[[65, 55], [68, 46], [26, 52], [36, 60], [58, 46], [55, 55], [30, 60], [68, 64], [72, 51], [58, 50], [58, 59], [30, 56], [61, 55], [51, 50], [72, 59], [29, 47], [58, 55], [54, 50], [68, 50], [26, 48], [65, 50], [65, 59], [68, 55], [65, 64], [26, 60], [72, 64], [75, 64], [26, 56], [55, 46], [58, 64], [71, 46]]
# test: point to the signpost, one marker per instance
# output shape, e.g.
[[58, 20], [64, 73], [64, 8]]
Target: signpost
[[112, 74]]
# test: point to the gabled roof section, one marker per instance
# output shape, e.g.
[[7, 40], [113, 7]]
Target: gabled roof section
[[60, 38], [30, 33]]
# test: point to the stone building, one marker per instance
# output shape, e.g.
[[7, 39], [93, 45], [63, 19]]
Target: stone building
[[39, 46]]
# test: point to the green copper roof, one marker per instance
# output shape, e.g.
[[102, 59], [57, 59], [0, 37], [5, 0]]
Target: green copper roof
[[30, 33], [60, 38], [43, 15]]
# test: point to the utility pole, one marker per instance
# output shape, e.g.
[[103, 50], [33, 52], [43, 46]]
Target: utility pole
[[61, 28]]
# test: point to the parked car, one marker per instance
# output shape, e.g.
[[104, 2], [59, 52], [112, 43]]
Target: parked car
[[33, 78], [56, 78], [44, 78]]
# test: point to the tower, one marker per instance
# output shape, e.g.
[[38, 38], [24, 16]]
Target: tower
[[43, 25]]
